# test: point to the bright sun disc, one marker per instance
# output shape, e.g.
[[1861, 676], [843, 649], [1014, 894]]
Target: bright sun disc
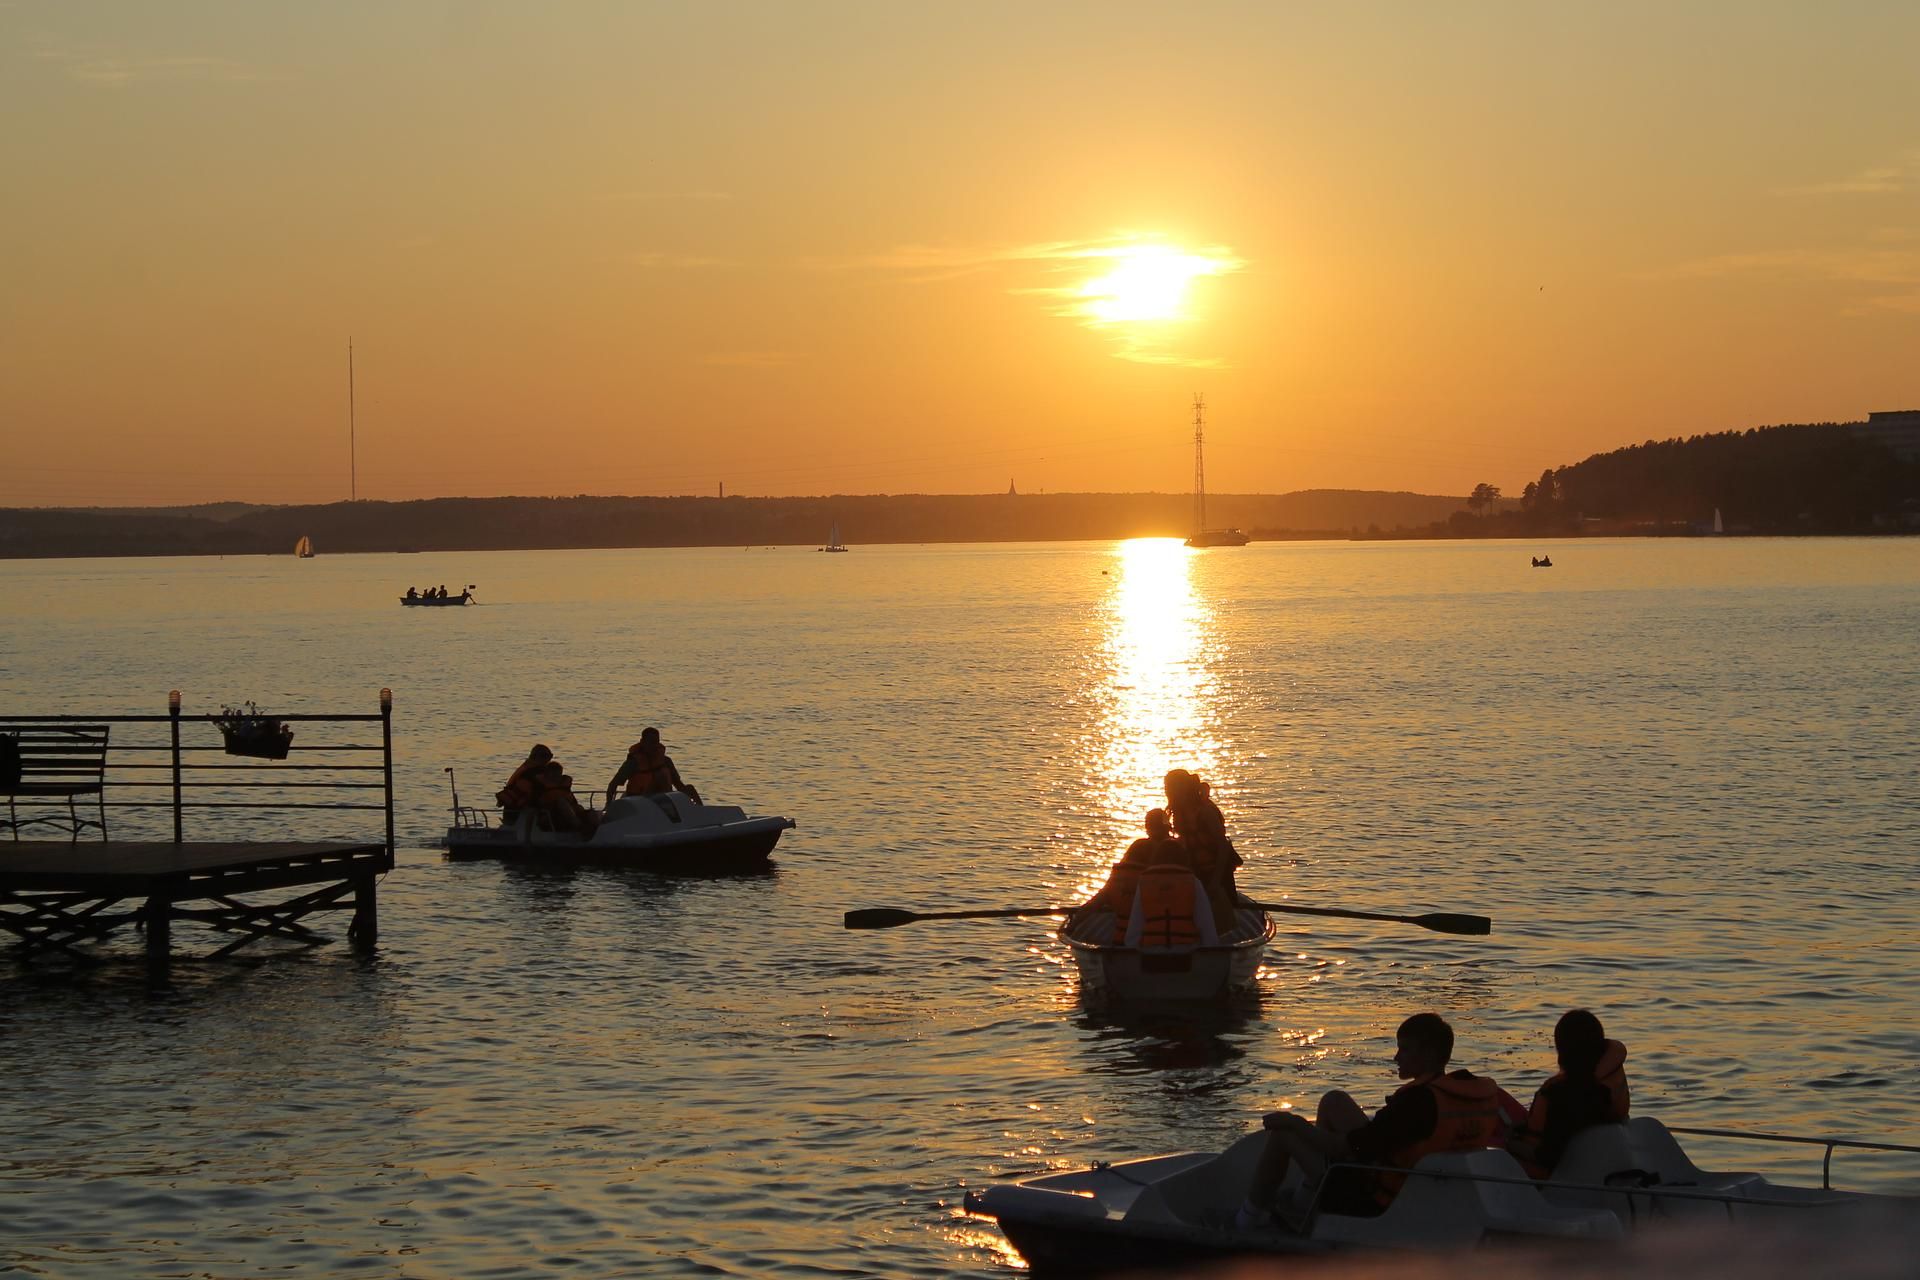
[[1147, 282]]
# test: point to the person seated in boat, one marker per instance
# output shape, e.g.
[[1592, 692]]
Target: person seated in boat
[[1589, 1089], [1156, 848], [413, 593], [648, 770], [556, 800], [523, 784], [441, 592], [1202, 832], [1435, 1110]]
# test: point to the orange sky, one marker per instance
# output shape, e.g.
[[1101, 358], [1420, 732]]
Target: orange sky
[[826, 247]]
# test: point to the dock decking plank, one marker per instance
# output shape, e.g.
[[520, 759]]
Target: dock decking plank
[[135, 867]]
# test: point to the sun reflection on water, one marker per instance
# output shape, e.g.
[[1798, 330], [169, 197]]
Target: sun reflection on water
[[1160, 701]]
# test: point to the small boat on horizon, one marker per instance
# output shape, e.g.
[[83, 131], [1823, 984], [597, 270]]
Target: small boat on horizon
[[833, 539], [415, 599], [303, 549]]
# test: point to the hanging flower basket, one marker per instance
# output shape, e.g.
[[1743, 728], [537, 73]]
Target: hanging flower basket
[[249, 733]]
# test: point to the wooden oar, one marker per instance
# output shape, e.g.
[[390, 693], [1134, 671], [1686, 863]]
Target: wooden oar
[[1439, 921], [893, 917]]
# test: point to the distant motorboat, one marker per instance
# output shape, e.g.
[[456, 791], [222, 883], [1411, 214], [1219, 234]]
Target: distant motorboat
[[833, 539], [1543, 562], [1218, 538], [465, 597], [304, 548]]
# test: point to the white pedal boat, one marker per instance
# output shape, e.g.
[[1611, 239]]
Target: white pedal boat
[[668, 831], [1179, 1209], [1110, 969]]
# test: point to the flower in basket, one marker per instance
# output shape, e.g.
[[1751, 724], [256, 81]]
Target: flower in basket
[[249, 732]]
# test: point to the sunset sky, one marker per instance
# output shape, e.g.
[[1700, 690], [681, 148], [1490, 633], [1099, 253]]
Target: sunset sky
[[819, 247]]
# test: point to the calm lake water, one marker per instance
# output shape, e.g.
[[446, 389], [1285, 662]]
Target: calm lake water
[[1680, 775]]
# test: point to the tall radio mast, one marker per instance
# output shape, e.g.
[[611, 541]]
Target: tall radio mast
[[1199, 466], [353, 451]]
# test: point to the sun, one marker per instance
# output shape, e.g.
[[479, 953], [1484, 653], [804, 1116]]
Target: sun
[[1147, 282]]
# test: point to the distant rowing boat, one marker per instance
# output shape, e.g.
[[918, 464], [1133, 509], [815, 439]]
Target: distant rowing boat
[[439, 602]]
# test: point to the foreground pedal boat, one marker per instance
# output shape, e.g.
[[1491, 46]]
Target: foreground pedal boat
[[1179, 1209], [1171, 975], [665, 832]]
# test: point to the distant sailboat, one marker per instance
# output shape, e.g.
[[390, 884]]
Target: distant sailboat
[[1203, 536], [304, 548], [1717, 526], [833, 539]]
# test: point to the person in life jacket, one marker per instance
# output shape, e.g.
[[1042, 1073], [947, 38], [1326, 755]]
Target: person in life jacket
[[1435, 1110], [648, 770], [524, 781], [1202, 830], [556, 800], [1590, 1088], [1151, 850]]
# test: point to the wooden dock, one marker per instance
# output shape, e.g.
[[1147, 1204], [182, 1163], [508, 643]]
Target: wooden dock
[[58, 896], [55, 895]]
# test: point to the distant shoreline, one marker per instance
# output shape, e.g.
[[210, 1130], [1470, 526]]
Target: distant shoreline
[[584, 523]]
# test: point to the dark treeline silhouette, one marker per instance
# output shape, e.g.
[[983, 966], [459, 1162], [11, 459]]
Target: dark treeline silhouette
[[485, 524], [1812, 478]]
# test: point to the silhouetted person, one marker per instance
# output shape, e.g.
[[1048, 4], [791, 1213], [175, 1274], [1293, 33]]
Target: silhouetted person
[[1156, 848], [524, 782], [556, 800], [649, 770], [1436, 1110], [1590, 1088], [1202, 831], [412, 593]]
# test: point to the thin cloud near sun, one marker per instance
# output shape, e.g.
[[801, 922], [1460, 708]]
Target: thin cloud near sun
[[1136, 288]]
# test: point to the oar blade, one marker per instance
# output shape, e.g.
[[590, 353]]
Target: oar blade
[[879, 918], [1448, 922]]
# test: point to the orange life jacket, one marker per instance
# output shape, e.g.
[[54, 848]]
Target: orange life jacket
[[1467, 1118], [1610, 1073], [1167, 902], [520, 788], [650, 773]]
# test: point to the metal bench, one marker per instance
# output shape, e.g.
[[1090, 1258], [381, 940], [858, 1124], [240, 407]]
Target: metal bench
[[59, 763]]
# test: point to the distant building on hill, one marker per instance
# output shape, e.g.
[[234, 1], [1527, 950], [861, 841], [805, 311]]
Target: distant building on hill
[[1898, 429]]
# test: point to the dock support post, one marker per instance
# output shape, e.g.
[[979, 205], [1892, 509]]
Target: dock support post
[[159, 921], [365, 929], [173, 711]]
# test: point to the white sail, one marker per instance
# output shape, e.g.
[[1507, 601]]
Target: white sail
[[303, 548]]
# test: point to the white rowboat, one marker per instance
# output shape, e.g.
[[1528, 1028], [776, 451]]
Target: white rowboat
[[1112, 970]]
